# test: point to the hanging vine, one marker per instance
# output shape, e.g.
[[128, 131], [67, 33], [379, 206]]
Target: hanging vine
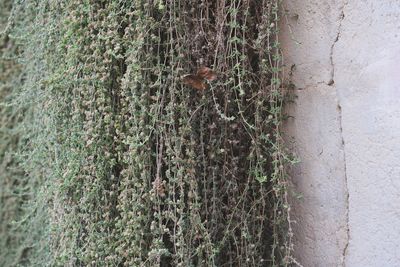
[[126, 164]]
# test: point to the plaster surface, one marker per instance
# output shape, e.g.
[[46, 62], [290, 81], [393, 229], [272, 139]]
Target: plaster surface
[[344, 59]]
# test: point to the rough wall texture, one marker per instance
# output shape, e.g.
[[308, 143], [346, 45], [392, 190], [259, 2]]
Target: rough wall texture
[[346, 130]]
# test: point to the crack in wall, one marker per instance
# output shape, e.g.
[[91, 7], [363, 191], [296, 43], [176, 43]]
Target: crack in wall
[[344, 253], [331, 83], [339, 28]]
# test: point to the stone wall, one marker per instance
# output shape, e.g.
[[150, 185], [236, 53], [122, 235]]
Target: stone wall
[[344, 60]]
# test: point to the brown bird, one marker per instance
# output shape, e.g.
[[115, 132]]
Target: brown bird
[[198, 80]]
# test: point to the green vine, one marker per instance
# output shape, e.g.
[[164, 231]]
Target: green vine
[[118, 163]]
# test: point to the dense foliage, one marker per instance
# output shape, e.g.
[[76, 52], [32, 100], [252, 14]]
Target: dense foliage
[[108, 159]]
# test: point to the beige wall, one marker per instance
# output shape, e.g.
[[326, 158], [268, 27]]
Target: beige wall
[[346, 130]]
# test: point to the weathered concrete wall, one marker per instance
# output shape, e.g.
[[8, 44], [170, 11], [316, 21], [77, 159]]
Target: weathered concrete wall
[[346, 130]]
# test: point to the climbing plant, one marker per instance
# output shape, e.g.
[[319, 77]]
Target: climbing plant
[[109, 159]]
